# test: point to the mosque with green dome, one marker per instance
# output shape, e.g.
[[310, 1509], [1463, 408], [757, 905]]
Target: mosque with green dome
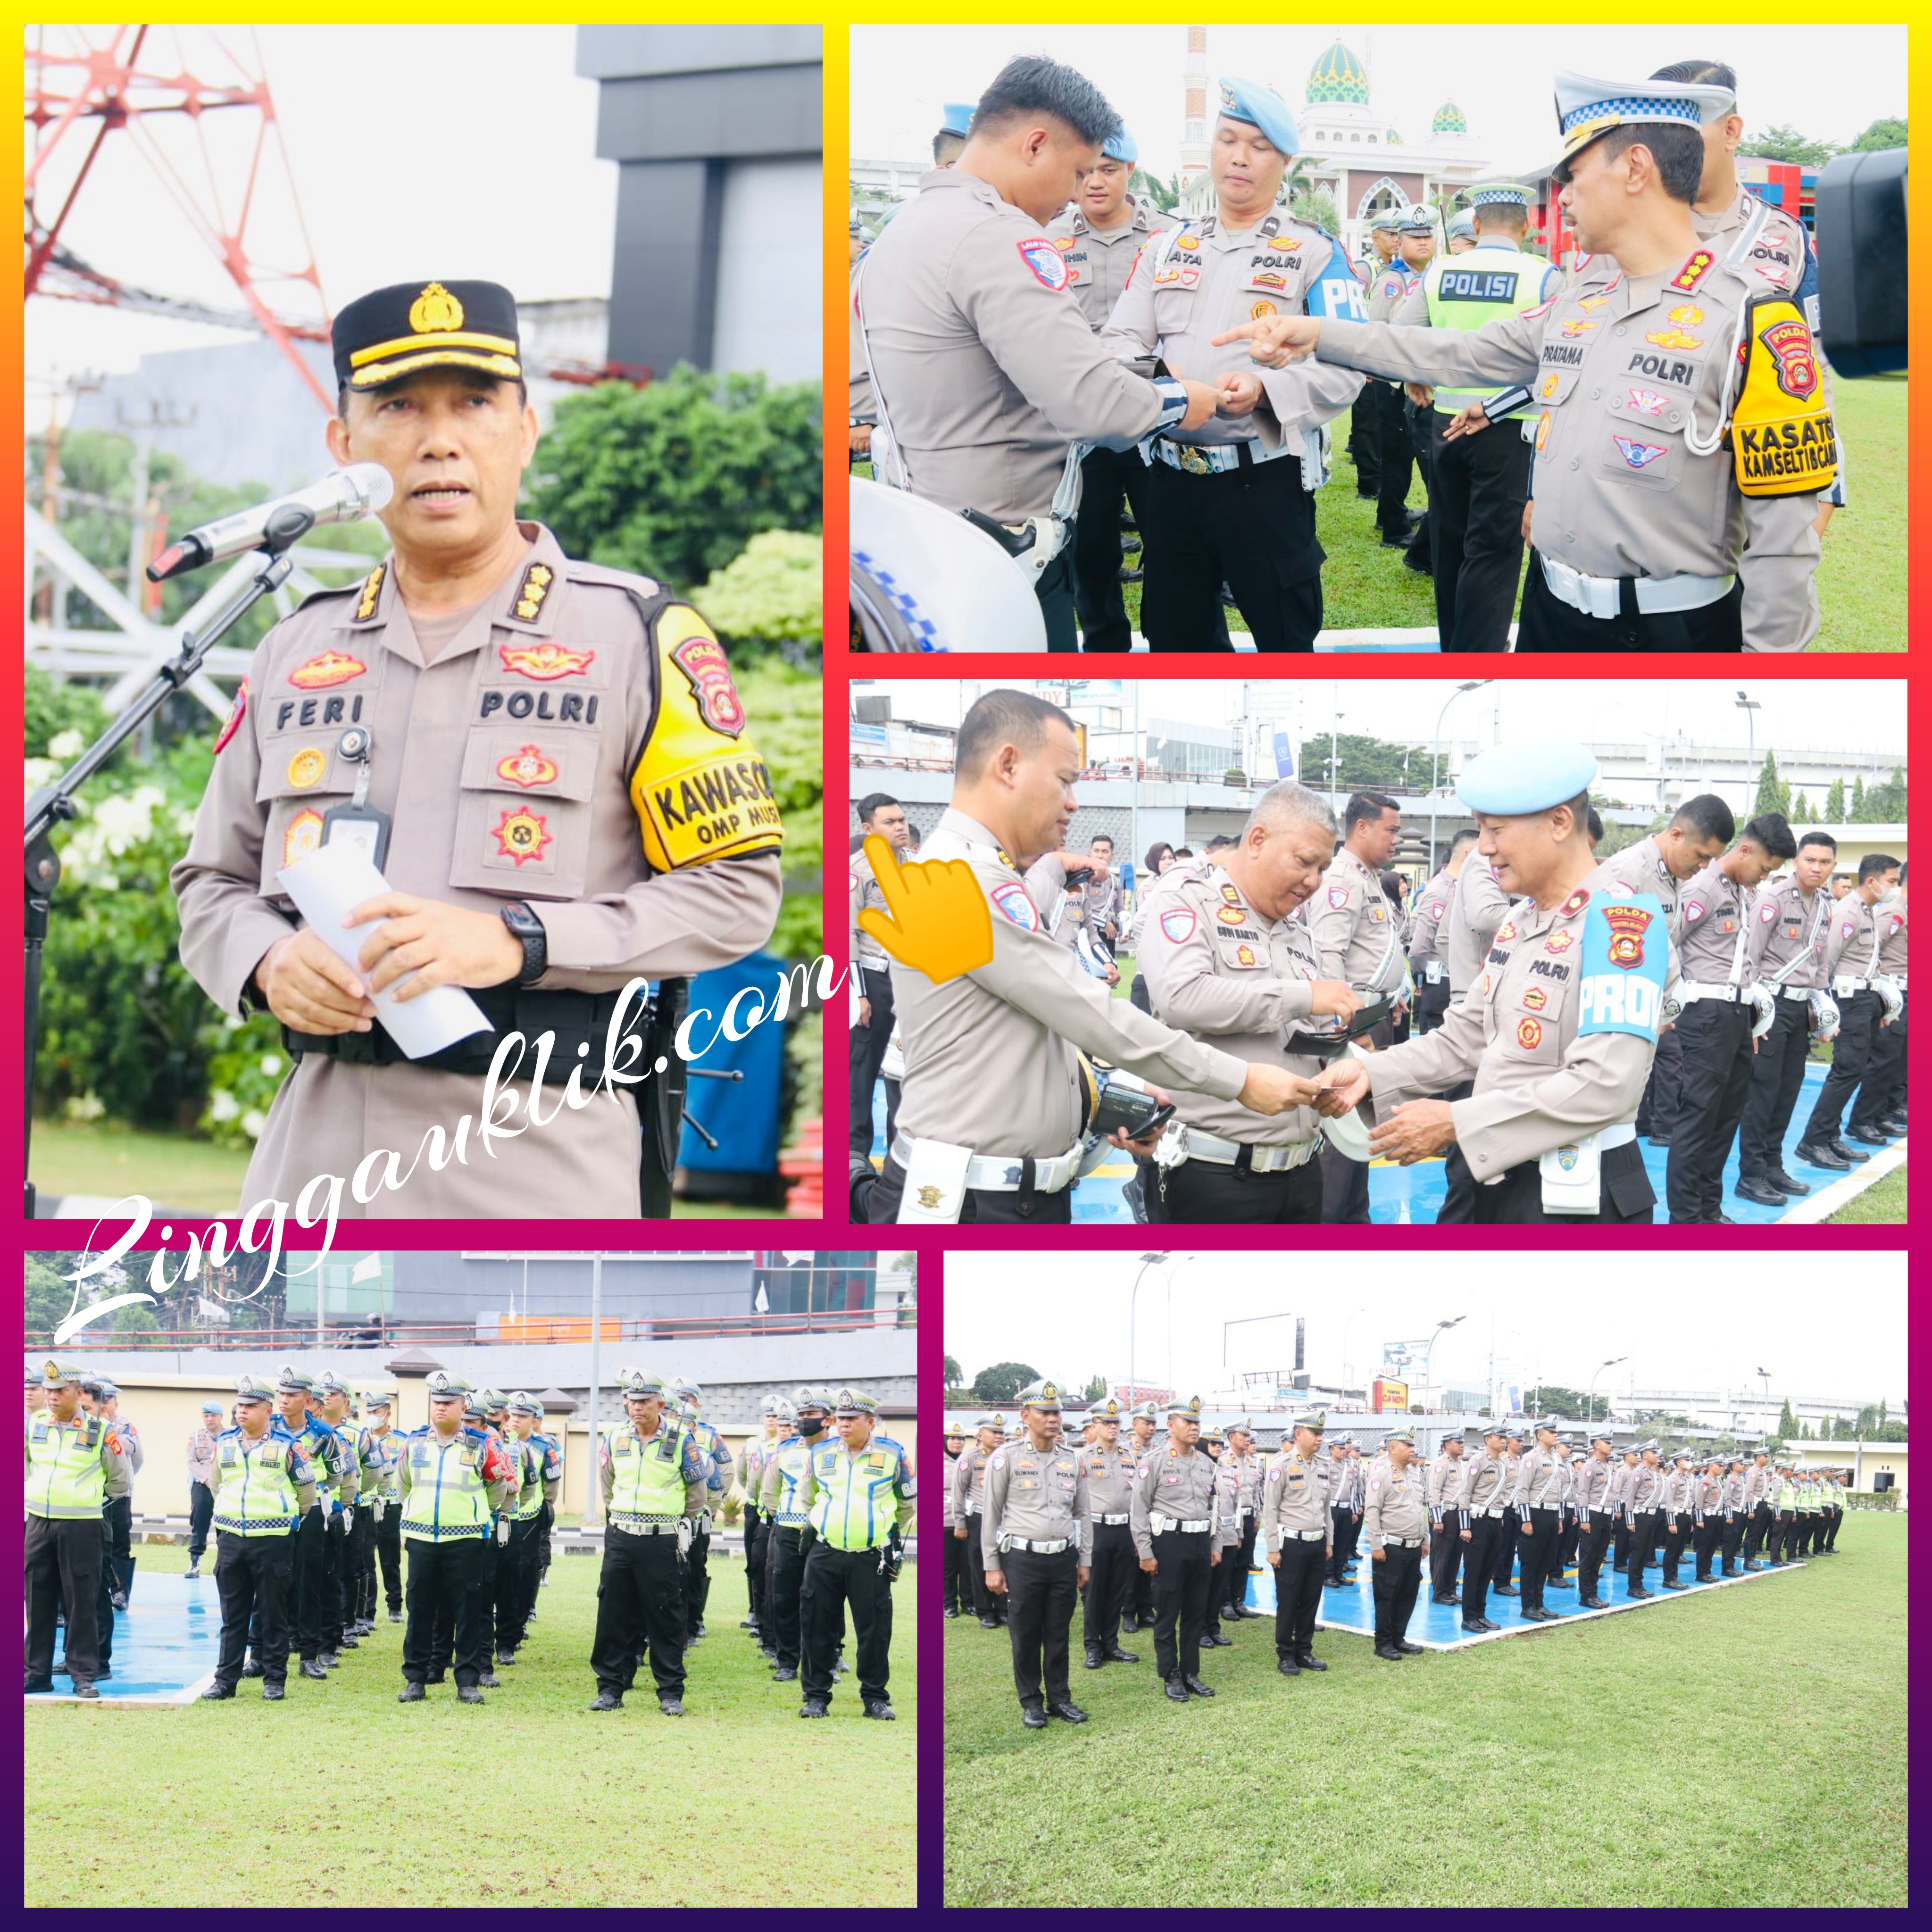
[[1350, 152]]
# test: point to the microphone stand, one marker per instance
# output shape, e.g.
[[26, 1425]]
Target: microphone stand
[[54, 804]]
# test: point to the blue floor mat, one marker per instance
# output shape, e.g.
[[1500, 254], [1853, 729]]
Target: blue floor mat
[[1351, 1607], [166, 1642], [1411, 1196]]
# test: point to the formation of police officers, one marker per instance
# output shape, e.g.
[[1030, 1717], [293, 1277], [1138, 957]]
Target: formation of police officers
[[547, 761], [305, 1498], [1596, 414], [1161, 1534], [1276, 969]]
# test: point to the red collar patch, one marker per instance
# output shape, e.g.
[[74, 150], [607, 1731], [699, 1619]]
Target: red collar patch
[[1693, 271], [1575, 903]]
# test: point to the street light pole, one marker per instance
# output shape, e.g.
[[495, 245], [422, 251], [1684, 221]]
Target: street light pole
[[1590, 1401], [1749, 705], [1435, 757], [591, 1496], [1429, 1354], [1147, 1262]]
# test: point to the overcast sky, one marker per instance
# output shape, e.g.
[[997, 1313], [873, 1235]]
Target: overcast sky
[[418, 151], [1708, 1321], [1860, 718], [1829, 81]]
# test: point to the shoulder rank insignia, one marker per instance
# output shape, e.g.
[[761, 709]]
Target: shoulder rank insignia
[[1575, 903], [372, 591], [531, 592], [1693, 272]]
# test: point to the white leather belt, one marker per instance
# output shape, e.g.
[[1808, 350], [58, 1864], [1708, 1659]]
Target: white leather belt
[[1160, 1524], [1603, 596], [1850, 985], [1000, 1173], [879, 964], [1689, 991], [1402, 1542], [1307, 1535], [1209, 459], [1196, 1145], [637, 1526], [1041, 1549], [1489, 1512], [1111, 1519], [1621, 1136], [1795, 992]]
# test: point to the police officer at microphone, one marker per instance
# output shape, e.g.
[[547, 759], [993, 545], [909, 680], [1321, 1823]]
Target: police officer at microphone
[[546, 760]]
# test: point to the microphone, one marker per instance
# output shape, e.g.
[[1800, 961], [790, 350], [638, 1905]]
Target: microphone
[[342, 496]]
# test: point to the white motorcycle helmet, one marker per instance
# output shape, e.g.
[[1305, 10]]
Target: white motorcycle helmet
[[923, 579]]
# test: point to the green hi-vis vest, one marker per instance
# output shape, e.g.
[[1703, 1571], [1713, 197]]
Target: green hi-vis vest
[[65, 1477], [1481, 285], [530, 1477], [855, 1507], [346, 1453], [1787, 1497], [448, 1498], [255, 1492], [1807, 1496], [647, 1473]]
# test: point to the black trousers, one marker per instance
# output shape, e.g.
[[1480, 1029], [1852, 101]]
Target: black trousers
[[1108, 479], [1385, 401], [1642, 1546], [865, 1048], [1479, 1560], [1342, 1528], [1784, 1526], [1477, 486], [1676, 1538], [983, 1603], [1592, 1537], [787, 1575], [955, 1587], [1054, 587], [1731, 1542], [640, 1606], [1431, 1003], [1445, 1553], [1858, 1014], [1516, 1199], [1202, 1190], [304, 1589], [1704, 1541], [1181, 1586], [1535, 1541], [1509, 1537], [1251, 529], [1109, 1586], [1365, 443], [1711, 1089], [362, 1564], [1757, 1530], [1620, 1543], [200, 1515], [986, 1209], [1657, 1111], [697, 1579], [1458, 1197], [757, 1531], [65, 1560], [833, 1579], [1297, 1594], [1563, 1552], [1041, 1596], [1884, 1085], [546, 1522], [1777, 1075], [454, 1577], [1833, 1519], [516, 1582], [335, 1579], [1396, 1577], [388, 1538], [1548, 624], [1236, 1562], [254, 1576]]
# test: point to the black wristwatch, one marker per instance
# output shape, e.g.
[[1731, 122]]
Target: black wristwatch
[[528, 930]]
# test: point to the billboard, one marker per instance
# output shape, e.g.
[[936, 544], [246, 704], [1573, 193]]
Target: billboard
[[1387, 1396]]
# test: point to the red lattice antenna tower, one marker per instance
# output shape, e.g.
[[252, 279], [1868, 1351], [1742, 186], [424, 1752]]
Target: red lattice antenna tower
[[75, 84]]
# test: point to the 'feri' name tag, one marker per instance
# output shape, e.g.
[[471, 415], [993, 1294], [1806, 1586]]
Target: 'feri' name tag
[[1783, 442]]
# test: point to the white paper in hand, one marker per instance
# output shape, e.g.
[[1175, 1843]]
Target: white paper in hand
[[328, 885]]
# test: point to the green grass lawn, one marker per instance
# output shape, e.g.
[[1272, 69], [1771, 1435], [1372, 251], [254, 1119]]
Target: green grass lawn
[[95, 1157], [1884, 1200], [528, 1801], [1742, 1746]]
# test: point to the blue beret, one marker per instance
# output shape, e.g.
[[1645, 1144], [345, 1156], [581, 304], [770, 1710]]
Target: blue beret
[[1515, 778], [1261, 107], [956, 117], [1121, 148]]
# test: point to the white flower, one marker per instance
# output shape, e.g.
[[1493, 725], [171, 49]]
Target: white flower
[[223, 1105], [252, 1122], [39, 772], [66, 746], [271, 1063], [85, 1107]]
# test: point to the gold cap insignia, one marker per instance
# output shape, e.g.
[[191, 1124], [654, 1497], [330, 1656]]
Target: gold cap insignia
[[1194, 1404], [1047, 1389], [928, 1197], [435, 308]]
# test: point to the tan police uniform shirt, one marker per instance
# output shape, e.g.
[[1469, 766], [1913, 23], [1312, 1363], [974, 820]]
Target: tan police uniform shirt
[[1215, 968], [1208, 278], [992, 1057], [1889, 920], [1715, 920], [1797, 924], [1034, 1495], [866, 892], [1539, 1084], [1425, 931], [1476, 906], [1356, 932], [969, 1482], [985, 370], [1110, 1481], [1448, 1480], [1098, 260], [578, 744], [1063, 909], [1294, 1501], [1487, 1480], [1539, 1481], [1852, 951], [1594, 1483], [1175, 1488], [861, 405], [1613, 356], [1395, 1505]]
